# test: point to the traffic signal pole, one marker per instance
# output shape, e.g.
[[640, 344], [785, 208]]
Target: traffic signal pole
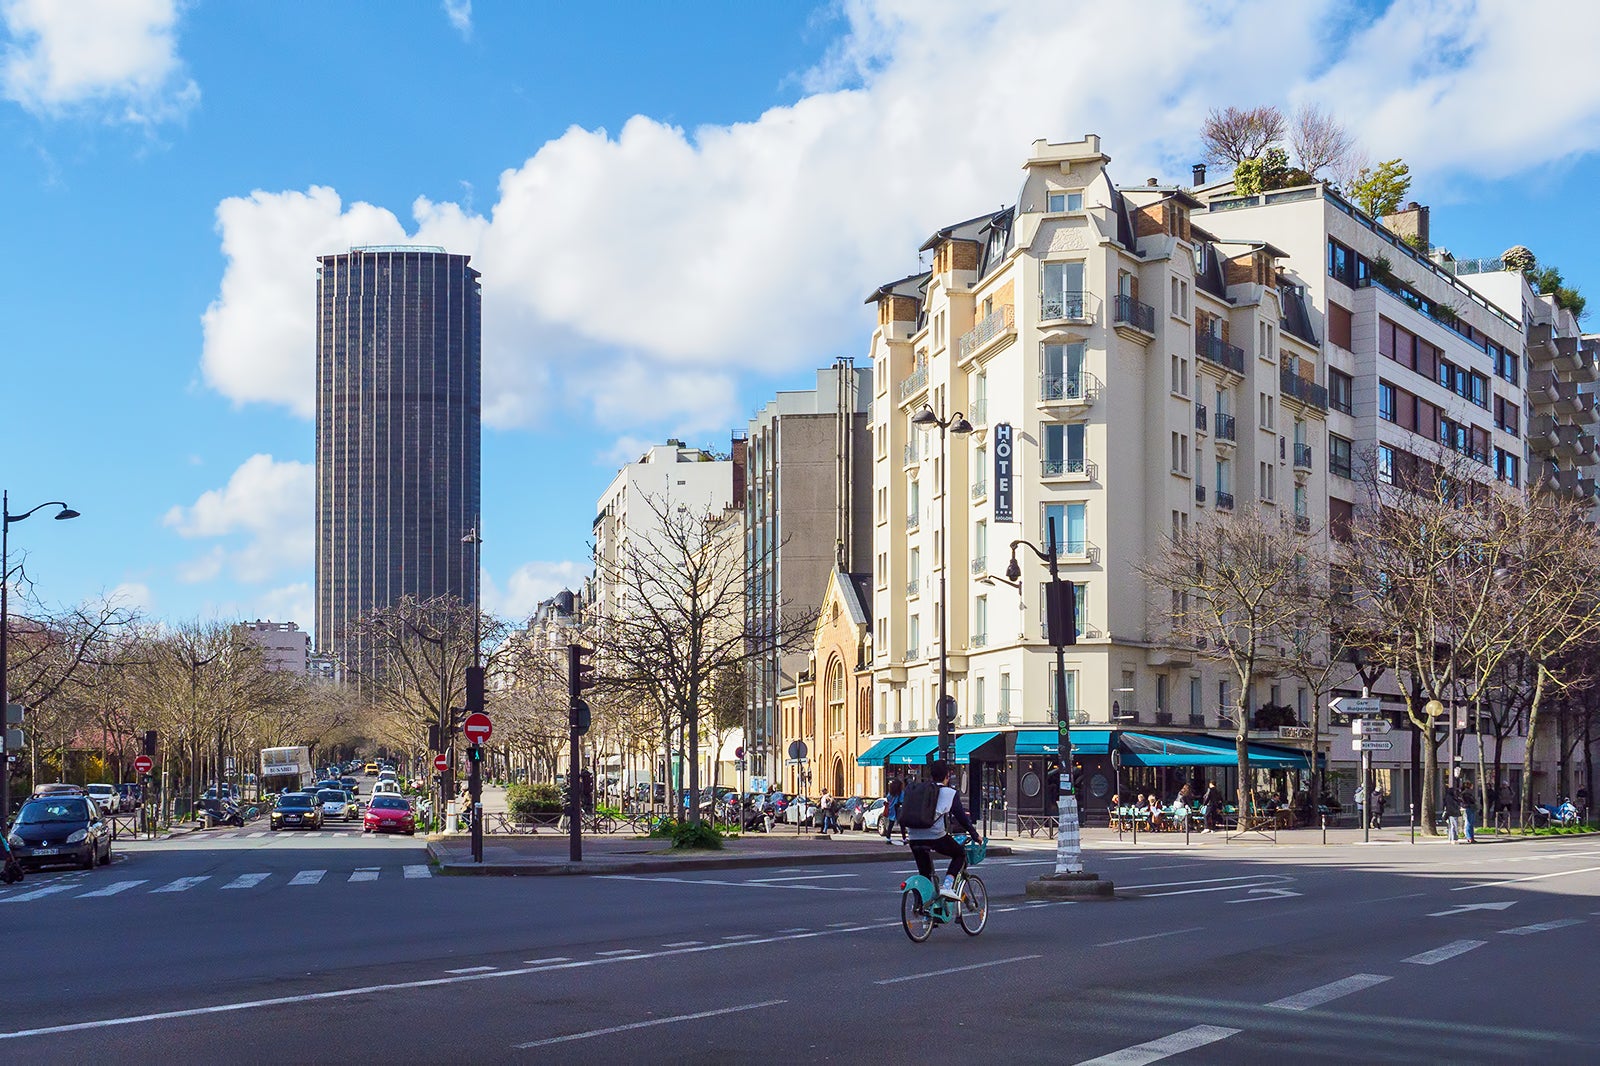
[[579, 678]]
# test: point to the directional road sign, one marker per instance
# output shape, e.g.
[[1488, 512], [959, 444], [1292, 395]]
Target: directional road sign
[[1372, 726], [1363, 744], [144, 764], [441, 762], [1355, 706], [477, 727]]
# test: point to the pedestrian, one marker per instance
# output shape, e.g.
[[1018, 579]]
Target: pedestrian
[[1379, 799], [1469, 811], [824, 813], [891, 811], [1212, 802], [1452, 812]]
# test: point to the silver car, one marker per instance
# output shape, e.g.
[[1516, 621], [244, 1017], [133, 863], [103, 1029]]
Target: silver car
[[105, 797], [336, 804]]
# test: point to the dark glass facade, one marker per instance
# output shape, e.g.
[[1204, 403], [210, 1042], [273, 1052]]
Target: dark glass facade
[[398, 404]]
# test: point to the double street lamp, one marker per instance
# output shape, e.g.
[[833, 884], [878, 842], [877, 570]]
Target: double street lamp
[[956, 423], [474, 700], [5, 585]]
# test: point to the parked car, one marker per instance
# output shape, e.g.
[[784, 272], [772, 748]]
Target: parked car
[[59, 790], [63, 827], [872, 817], [131, 795], [105, 797], [336, 803], [852, 813], [296, 810], [389, 814]]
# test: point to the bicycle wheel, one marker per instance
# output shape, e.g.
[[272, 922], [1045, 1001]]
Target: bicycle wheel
[[915, 917], [973, 909]]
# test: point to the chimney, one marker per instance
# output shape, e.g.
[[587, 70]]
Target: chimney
[[1152, 182], [1199, 174]]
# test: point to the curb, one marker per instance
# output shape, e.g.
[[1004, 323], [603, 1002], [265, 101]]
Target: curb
[[658, 866]]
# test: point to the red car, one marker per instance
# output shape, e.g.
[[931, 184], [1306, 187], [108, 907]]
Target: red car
[[389, 814]]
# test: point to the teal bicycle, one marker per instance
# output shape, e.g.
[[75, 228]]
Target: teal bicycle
[[923, 909]]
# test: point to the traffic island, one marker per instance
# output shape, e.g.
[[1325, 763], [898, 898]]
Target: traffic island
[[1070, 886]]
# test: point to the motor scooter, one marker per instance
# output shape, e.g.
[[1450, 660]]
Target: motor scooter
[[11, 870]]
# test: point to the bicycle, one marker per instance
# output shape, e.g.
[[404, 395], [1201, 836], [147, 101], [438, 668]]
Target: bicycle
[[923, 909]]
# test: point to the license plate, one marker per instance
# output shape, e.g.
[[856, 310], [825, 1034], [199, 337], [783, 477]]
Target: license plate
[[294, 818], [47, 851]]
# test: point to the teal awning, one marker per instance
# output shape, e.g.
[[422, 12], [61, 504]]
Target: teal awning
[[879, 752], [1198, 749], [1044, 741], [967, 743], [915, 751]]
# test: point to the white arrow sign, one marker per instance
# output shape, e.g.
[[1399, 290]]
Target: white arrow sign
[[1473, 907], [1371, 726], [1259, 894], [1363, 744], [1355, 705]]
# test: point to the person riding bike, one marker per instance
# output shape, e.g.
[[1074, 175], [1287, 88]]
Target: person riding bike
[[938, 838]]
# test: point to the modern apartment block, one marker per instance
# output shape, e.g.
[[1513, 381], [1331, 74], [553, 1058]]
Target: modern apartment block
[[1125, 369], [807, 510], [284, 645], [398, 434]]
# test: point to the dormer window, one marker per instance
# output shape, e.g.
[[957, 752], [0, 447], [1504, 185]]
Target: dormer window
[[1064, 201]]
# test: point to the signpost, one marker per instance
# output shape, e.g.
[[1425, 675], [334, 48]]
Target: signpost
[[441, 762], [1356, 707], [144, 764], [1363, 744], [477, 727], [1371, 726]]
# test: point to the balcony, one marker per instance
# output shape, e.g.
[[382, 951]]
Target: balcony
[[979, 413], [980, 567], [913, 520], [914, 587], [1080, 388], [1226, 428], [1307, 392], [1199, 494], [980, 489], [915, 383], [1084, 468], [1067, 307], [1217, 351], [1302, 456], [1132, 319], [1224, 500], [1001, 322], [1302, 524], [912, 455], [913, 654], [1202, 420], [978, 640]]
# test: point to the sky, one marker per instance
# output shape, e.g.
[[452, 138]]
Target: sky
[[677, 210]]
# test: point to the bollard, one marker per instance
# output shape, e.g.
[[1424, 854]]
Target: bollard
[[1134, 821], [1413, 823], [1324, 829], [1186, 832]]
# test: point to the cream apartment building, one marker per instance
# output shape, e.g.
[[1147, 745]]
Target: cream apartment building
[[1133, 369]]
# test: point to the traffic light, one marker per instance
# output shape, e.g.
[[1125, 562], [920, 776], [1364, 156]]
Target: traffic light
[[150, 742], [580, 716], [580, 676], [947, 711], [474, 689], [433, 737], [1061, 613], [474, 752]]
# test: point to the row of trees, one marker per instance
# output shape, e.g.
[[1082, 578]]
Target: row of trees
[[1468, 594]]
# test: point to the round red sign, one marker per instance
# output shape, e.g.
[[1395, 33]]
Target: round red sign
[[477, 727], [144, 764], [441, 762]]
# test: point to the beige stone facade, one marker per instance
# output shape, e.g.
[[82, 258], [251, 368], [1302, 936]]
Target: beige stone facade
[[830, 708]]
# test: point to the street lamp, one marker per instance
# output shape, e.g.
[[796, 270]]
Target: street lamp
[[1061, 627], [5, 586], [956, 423], [475, 688]]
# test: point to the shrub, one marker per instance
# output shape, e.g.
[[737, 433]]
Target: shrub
[[525, 801], [696, 835]]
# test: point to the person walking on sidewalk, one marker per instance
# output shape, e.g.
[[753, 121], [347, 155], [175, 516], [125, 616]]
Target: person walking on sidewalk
[[1379, 799], [1212, 802], [1452, 813], [1469, 810], [891, 811]]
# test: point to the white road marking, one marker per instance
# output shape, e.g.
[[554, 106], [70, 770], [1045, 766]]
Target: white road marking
[[1449, 951], [246, 881], [182, 884], [422, 869], [1533, 877], [1036, 862], [807, 929], [370, 874], [659, 879], [645, 1025], [111, 889], [1542, 927], [619, 951], [474, 969], [955, 969], [1152, 936], [37, 893], [1228, 884], [308, 877], [684, 944], [1156, 1050], [1315, 997], [1473, 907], [835, 925], [797, 877], [1258, 894], [257, 836], [741, 936], [543, 962]]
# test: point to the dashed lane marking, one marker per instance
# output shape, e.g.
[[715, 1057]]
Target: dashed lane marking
[[1151, 936], [545, 962], [684, 944], [609, 1030], [1155, 1050], [618, 951], [1541, 927], [1449, 951], [472, 969], [741, 936], [1316, 997], [956, 969]]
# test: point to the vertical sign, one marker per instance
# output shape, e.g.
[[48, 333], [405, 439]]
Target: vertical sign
[[1002, 472]]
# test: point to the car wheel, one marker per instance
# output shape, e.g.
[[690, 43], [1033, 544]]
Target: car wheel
[[93, 860]]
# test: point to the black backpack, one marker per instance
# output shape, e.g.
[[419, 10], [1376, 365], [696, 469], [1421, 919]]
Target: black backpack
[[919, 805]]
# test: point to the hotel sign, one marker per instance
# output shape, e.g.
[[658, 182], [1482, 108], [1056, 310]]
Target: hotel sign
[[1003, 455]]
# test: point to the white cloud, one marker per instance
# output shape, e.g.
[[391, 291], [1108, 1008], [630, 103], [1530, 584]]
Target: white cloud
[[135, 595], [291, 603], [116, 56], [531, 584], [264, 517], [460, 14], [647, 271]]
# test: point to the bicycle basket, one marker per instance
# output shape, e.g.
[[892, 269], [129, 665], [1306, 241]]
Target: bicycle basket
[[976, 852]]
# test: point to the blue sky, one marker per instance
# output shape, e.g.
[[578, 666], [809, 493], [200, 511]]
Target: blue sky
[[677, 209]]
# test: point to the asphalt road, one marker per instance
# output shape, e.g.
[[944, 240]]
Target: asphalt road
[[1387, 953]]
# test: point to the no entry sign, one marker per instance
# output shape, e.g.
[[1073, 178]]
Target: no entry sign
[[477, 727], [144, 764], [441, 762]]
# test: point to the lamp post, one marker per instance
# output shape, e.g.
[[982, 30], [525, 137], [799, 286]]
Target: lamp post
[[5, 587], [956, 423], [475, 688], [1061, 624]]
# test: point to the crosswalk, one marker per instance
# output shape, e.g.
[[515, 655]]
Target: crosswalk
[[75, 888]]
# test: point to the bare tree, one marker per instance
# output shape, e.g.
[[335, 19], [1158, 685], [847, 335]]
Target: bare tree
[[1320, 141], [1240, 582], [1232, 135]]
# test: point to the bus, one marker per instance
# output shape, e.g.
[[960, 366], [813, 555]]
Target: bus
[[285, 770]]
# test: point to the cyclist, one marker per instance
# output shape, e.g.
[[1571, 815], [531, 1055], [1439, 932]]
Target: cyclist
[[938, 838]]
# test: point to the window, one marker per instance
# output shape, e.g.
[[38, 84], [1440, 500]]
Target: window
[[1005, 696], [1339, 326], [980, 621], [1339, 391], [1196, 703], [1071, 686], [1081, 615], [1340, 514], [1506, 467], [1224, 704], [1063, 201], [1507, 416], [914, 638], [1338, 456], [1386, 464], [1386, 401], [1300, 501], [1341, 263], [1071, 525], [1180, 453], [913, 497], [1180, 525], [1269, 410], [1063, 370], [979, 703], [914, 566], [1161, 692], [1180, 375], [980, 542], [1268, 472], [1063, 448], [1224, 476], [1180, 298], [1063, 290], [1478, 389], [883, 570]]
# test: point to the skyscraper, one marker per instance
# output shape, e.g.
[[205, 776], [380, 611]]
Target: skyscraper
[[398, 404]]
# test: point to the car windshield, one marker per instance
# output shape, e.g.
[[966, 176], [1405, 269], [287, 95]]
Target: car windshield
[[294, 799], [390, 803], [347, 781], [40, 812], [328, 795]]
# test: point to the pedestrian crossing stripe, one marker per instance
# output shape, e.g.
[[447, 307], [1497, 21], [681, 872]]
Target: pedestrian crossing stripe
[[307, 877], [112, 889], [241, 882]]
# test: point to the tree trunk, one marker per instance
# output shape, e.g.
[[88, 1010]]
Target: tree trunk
[[1241, 742], [1524, 803]]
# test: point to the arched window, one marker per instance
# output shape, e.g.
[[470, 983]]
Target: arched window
[[835, 696]]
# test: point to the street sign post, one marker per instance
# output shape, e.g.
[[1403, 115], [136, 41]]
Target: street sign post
[[1371, 726], [477, 727], [1356, 706], [441, 762], [144, 764], [1363, 744]]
